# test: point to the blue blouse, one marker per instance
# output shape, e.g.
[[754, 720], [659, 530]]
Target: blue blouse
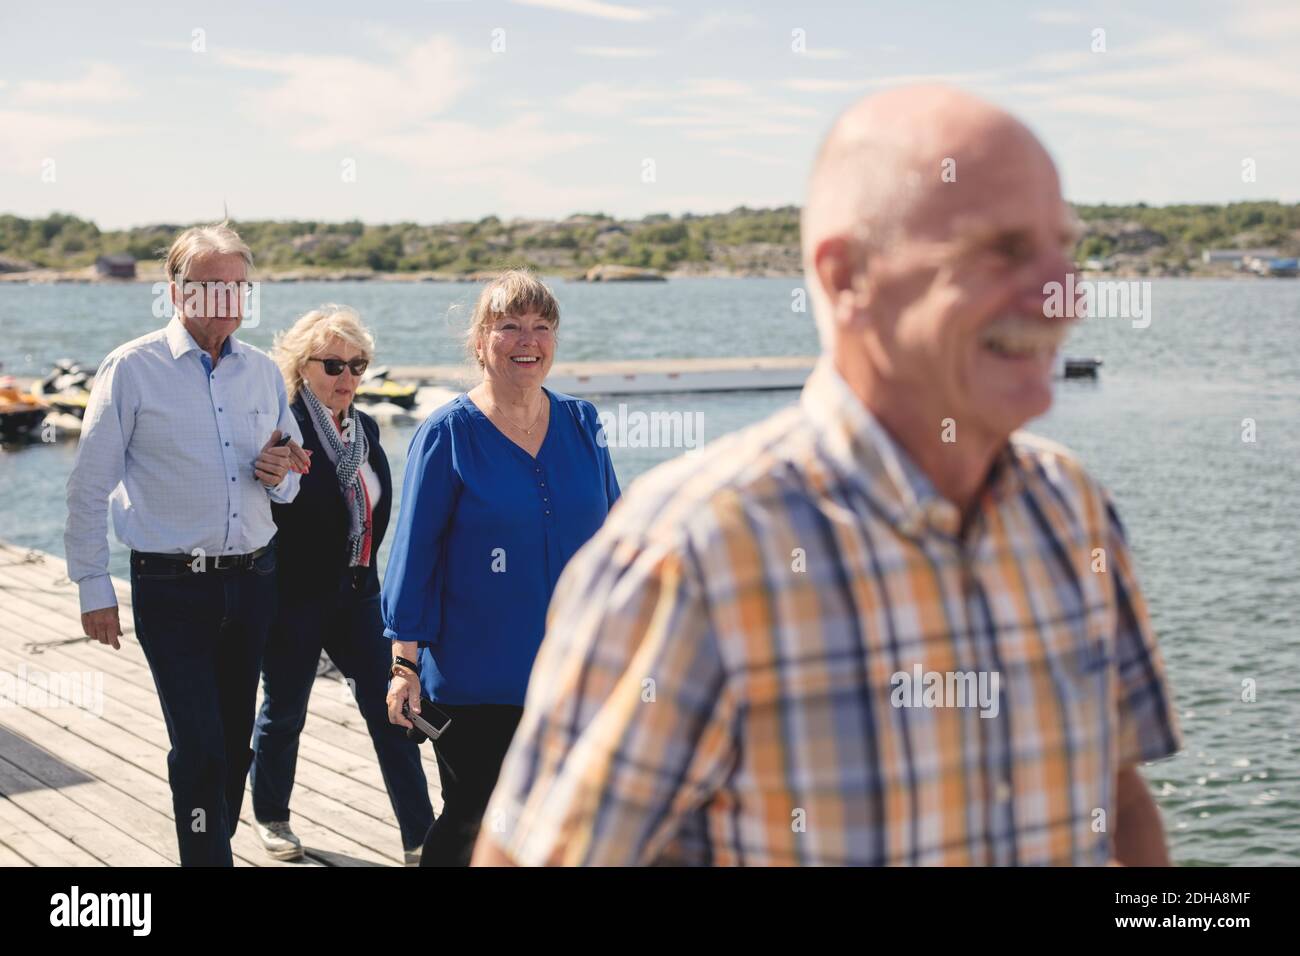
[[484, 531]]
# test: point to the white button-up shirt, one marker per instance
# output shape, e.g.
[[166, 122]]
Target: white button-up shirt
[[168, 443]]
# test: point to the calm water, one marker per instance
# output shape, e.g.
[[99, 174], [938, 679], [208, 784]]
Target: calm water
[[1214, 521]]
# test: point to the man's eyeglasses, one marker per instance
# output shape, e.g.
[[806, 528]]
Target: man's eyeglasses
[[214, 286], [218, 299], [335, 366]]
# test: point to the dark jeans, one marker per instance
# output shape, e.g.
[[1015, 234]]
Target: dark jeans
[[351, 631], [203, 635], [474, 745]]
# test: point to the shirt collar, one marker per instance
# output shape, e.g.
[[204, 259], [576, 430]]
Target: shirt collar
[[180, 341], [865, 453]]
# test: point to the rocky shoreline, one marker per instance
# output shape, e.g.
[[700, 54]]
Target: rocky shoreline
[[90, 277]]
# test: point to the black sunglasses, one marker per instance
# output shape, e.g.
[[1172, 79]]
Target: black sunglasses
[[335, 366]]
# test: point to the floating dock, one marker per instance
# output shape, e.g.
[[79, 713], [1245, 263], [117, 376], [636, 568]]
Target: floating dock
[[647, 376], [636, 376]]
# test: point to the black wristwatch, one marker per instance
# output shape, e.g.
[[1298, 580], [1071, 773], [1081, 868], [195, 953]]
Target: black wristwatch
[[403, 662]]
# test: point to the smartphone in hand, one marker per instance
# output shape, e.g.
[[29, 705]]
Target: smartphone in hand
[[432, 728]]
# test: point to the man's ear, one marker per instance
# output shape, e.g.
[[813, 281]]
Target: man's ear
[[840, 266]]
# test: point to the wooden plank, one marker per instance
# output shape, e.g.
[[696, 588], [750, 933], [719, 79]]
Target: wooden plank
[[151, 817], [136, 688], [85, 830], [41, 606], [35, 621], [141, 740], [9, 857], [329, 714], [36, 609], [30, 837]]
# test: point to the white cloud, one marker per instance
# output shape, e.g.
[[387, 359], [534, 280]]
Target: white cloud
[[750, 156], [100, 83], [825, 54], [808, 84], [323, 101], [594, 8], [608, 99], [1266, 23], [478, 153], [724, 22], [1056, 17], [714, 89], [617, 52], [1064, 61], [31, 138], [706, 108]]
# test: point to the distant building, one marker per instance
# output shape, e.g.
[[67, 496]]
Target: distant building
[[1235, 257], [1273, 266], [117, 266]]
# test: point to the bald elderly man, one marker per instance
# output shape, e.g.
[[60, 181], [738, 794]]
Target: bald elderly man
[[883, 626]]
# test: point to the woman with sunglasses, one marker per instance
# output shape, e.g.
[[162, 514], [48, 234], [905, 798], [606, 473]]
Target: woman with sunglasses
[[328, 541]]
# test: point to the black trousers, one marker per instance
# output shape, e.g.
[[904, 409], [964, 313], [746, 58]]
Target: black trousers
[[469, 758], [204, 635]]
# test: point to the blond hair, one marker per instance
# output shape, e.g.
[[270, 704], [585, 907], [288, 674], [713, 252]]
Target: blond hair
[[293, 347], [514, 292], [199, 241]]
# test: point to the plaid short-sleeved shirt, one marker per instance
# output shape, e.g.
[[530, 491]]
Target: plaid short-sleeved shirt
[[787, 649]]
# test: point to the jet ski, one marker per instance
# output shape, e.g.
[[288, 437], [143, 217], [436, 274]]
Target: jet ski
[[67, 387], [376, 387], [20, 412]]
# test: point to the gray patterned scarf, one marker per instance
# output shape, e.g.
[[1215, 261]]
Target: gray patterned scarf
[[348, 457]]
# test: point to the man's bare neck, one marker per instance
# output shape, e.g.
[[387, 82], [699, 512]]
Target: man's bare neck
[[956, 462]]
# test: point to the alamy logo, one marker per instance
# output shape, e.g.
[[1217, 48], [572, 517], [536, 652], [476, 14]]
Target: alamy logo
[[638, 429], [37, 689], [946, 689], [103, 909], [1102, 300]]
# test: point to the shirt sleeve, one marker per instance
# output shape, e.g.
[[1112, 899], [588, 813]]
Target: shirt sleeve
[[612, 490], [287, 489], [1148, 724], [627, 723], [99, 467], [412, 591]]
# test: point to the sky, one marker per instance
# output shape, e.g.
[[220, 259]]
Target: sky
[[387, 111]]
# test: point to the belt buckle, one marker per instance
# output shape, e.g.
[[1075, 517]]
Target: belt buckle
[[218, 566]]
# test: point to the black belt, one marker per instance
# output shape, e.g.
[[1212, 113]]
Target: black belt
[[222, 562]]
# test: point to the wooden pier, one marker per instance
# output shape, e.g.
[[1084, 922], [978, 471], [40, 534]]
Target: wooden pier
[[638, 376], [83, 776]]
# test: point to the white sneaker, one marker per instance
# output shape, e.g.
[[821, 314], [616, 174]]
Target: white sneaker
[[279, 840], [413, 856]]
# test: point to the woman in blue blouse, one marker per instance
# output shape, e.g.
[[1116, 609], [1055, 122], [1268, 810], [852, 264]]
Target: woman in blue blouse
[[503, 485]]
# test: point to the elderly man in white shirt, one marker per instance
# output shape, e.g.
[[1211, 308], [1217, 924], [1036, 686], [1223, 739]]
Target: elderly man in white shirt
[[187, 439]]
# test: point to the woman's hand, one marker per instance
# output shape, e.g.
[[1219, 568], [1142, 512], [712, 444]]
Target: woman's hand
[[404, 686], [275, 461]]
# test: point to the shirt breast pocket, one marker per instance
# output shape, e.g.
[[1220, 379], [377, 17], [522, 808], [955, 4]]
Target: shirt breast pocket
[[257, 428]]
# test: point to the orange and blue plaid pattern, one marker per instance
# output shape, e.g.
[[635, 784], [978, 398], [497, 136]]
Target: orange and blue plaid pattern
[[720, 678]]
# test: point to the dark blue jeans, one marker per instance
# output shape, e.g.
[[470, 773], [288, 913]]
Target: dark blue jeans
[[351, 631], [203, 635]]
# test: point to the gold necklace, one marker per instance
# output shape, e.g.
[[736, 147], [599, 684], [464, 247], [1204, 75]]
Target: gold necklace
[[526, 431]]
